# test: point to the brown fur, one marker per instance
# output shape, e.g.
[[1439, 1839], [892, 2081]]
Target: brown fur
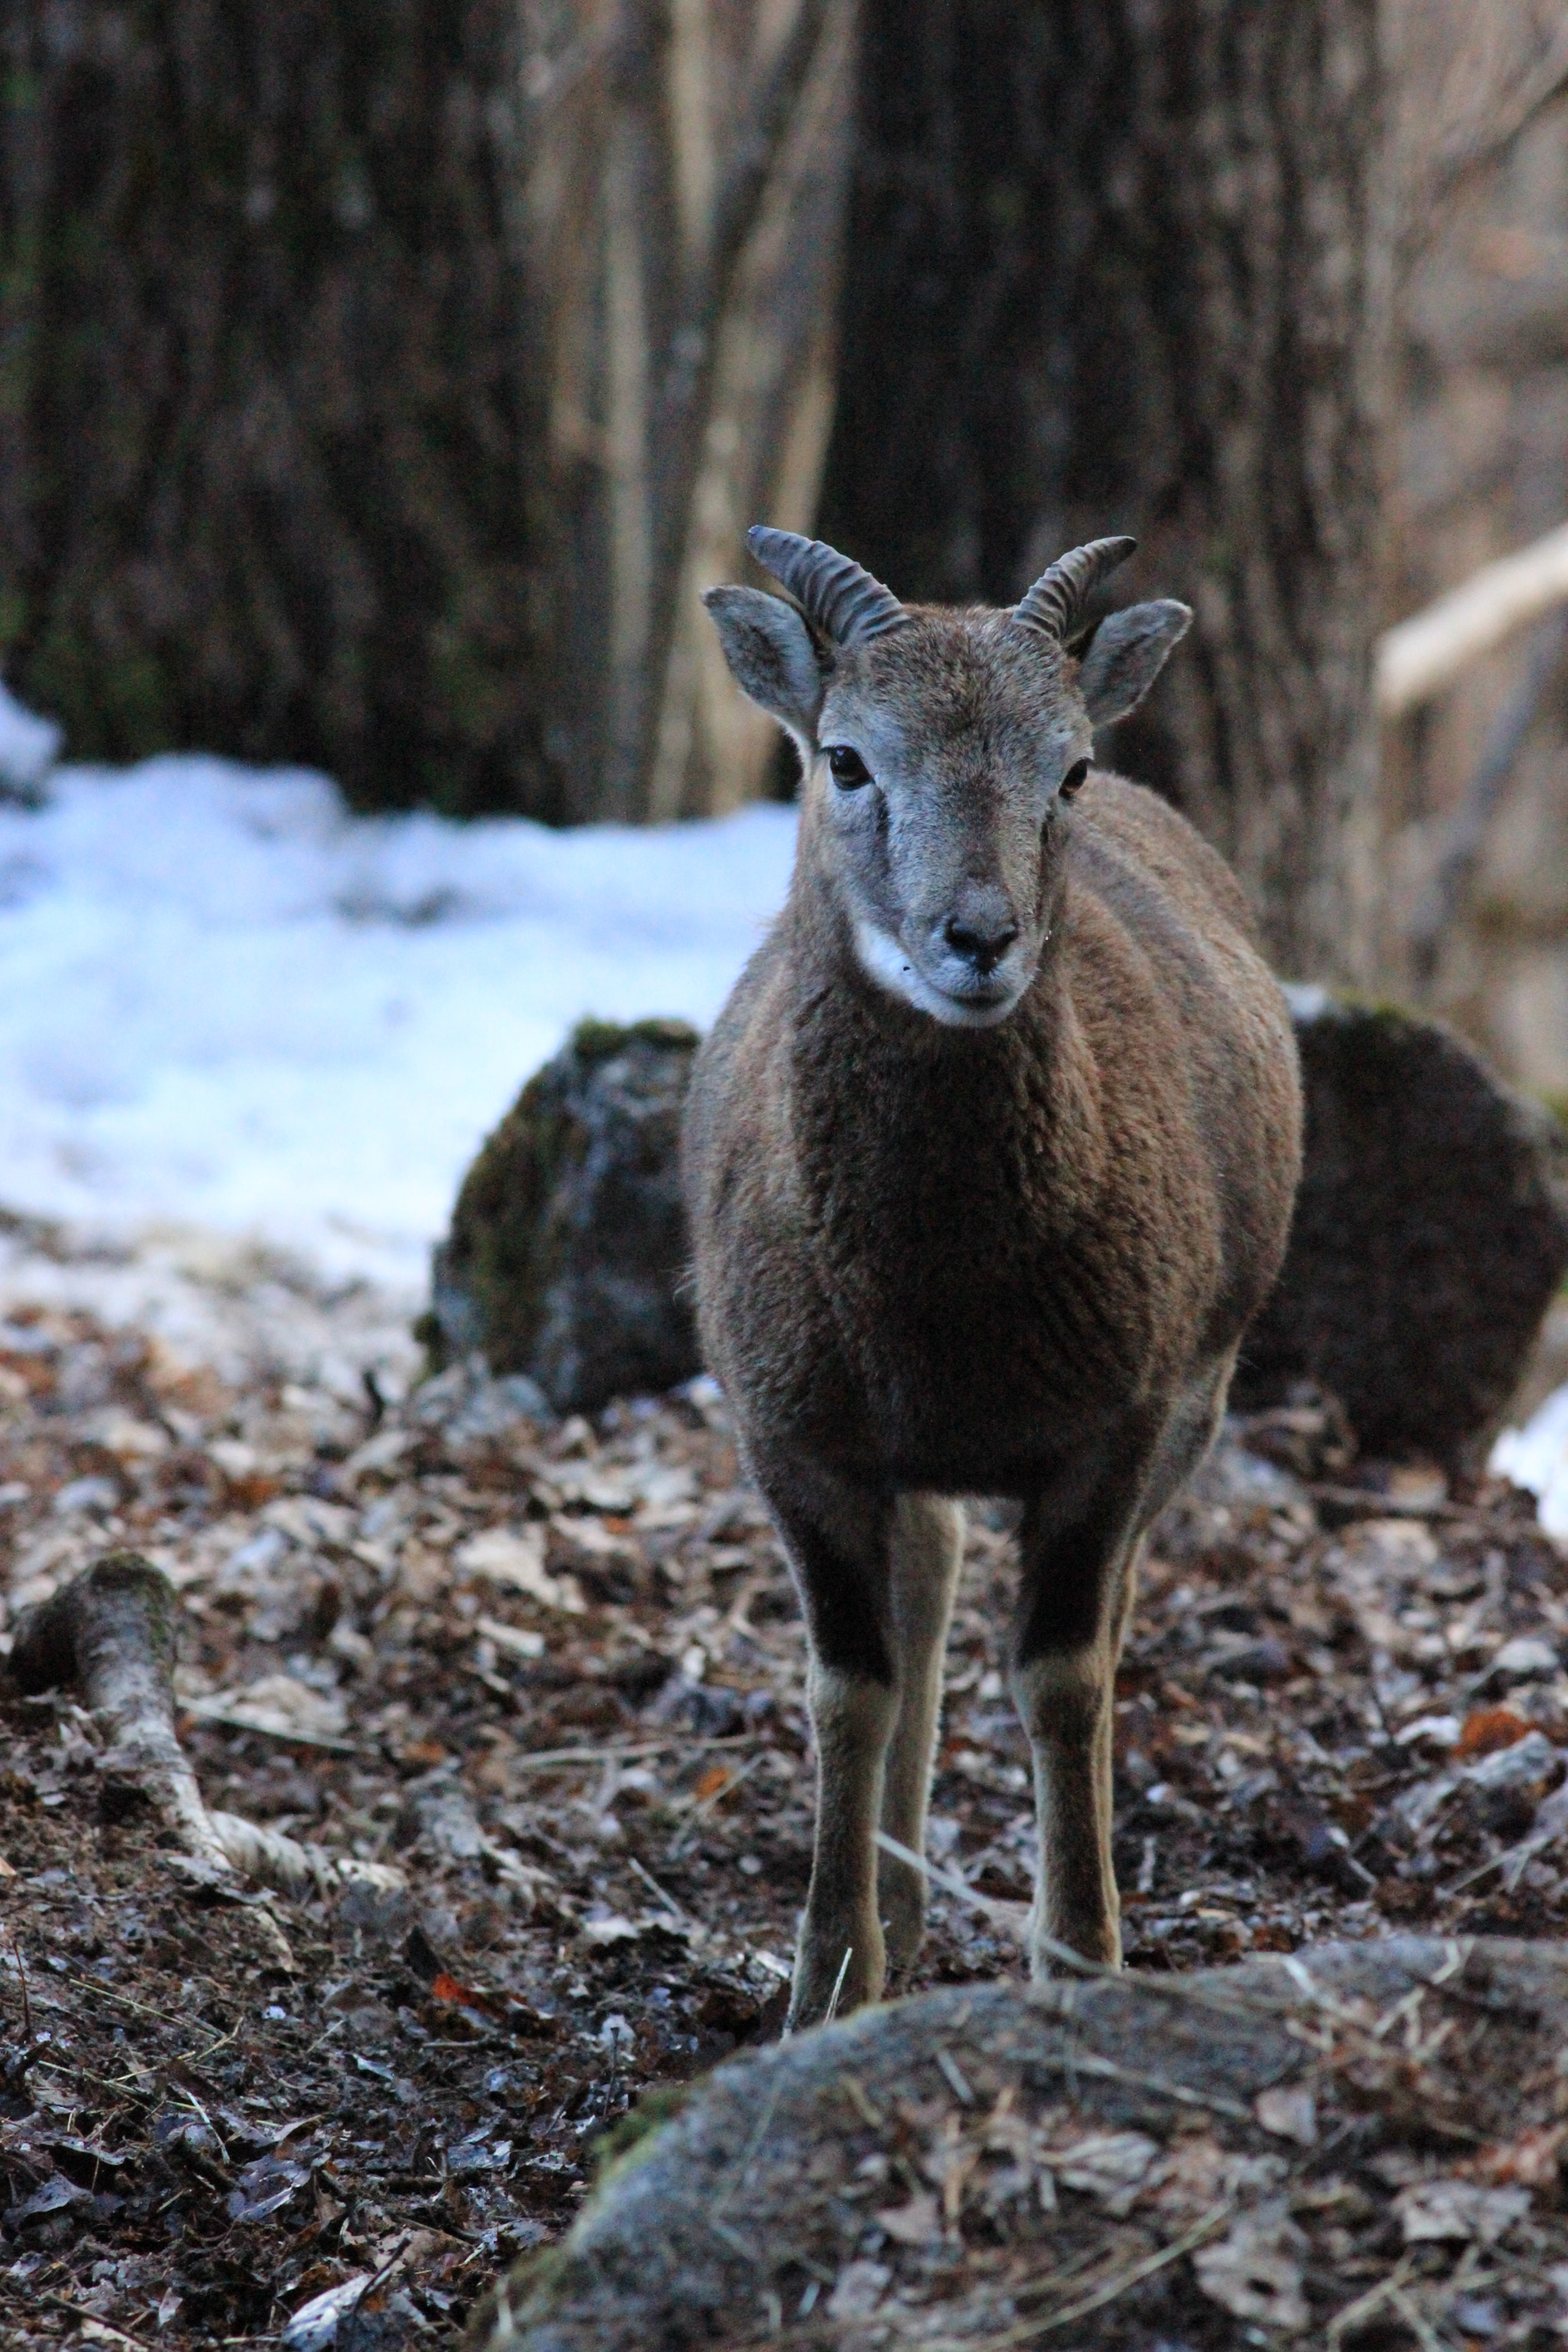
[[1011, 1261]]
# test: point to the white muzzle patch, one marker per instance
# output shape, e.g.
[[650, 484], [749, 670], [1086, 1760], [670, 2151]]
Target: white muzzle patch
[[882, 959]]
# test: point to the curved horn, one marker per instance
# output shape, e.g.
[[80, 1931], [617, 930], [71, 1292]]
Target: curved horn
[[1059, 595], [847, 605]]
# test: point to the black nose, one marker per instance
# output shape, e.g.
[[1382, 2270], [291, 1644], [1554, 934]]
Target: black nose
[[984, 949]]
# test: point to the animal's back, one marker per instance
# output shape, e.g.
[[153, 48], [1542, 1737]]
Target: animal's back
[[1219, 1056]]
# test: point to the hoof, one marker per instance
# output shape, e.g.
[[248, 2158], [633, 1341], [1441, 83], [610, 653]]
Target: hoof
[[833, 1976]]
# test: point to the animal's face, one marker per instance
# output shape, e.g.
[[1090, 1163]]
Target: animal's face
[[940, 758], [938, 749]]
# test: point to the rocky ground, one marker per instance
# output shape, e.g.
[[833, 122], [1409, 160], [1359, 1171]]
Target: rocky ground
[[549, 1675]]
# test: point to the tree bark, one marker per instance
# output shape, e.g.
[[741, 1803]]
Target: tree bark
[[380, 384], [1118, 266], [686, 178], [260, 399]]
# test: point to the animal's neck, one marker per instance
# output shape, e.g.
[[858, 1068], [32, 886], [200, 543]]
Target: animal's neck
[[884, 1095]]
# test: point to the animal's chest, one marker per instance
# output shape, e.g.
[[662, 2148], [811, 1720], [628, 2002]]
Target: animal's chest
[[975, 1293]]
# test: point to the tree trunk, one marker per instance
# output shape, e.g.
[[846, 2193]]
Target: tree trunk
[[379, 384], [1125, 265], [685, 182], [260, 405]]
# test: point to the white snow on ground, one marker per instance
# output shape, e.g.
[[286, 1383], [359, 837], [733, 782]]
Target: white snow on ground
[[226, 1005], [29, 746], [1536, 1457]]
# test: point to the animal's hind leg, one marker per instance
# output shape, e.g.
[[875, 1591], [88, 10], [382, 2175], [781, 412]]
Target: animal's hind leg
[[1079, 1576], [1188, 1433], [927, 1553], [1077, 1586]]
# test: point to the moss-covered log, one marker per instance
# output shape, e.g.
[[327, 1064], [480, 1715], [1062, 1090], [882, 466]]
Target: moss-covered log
[[568, 1248], [1431, 1231]]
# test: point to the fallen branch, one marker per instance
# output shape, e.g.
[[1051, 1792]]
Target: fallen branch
[[1537, 89], [1132, 2275], [110, 1634], [1465, 831], [1418, 657]]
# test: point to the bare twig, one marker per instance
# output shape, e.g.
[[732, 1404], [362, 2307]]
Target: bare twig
[[838, 1984], [1417, 657], [1083, 2061], [668, 1901], [1108, 2289], [1544, 82], [1466, 829], [350, 2318], [540, 1759], [1010, 1917], [1355, 2315], [1425, 2335], [109, 2327], [22, 1974]]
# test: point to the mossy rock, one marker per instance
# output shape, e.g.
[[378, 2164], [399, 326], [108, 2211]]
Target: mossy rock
[[1431, 1231], [568, 1249], [762, 2198]]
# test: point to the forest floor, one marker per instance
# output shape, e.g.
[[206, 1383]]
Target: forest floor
[[554, 1676]]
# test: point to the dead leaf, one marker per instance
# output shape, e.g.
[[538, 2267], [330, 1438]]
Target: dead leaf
[[1111, 2165], [918, 2223], [380, 1451], [1255, 2271], [857, 2290], [316, 2323], [1487, 1729], [520, 1641], [1530, 2161], [1443, 2211], [1289, 2112], [514, 1557], [611, 1928], [596, 1542], [280, 1705]]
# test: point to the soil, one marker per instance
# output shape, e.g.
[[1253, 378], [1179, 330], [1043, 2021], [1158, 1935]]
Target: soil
[[551, 1675]]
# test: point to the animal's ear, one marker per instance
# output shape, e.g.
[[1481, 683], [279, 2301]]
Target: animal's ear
[[771, 654], [1127, 653]]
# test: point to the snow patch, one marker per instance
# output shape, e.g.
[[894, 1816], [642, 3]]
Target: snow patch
[[225, 1003], [29, 746], [1536, 1457]]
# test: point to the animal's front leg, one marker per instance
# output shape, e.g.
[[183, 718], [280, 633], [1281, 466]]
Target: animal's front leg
[[842, 1960], [837, 1536], [927, 1553], [1077, 1591]]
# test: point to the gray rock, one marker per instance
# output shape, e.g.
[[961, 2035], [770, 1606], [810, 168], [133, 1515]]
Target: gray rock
[[1431, 1231], [796, 2163], [568, 1242]]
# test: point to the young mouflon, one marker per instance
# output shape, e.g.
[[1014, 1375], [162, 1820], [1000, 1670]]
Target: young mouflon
[[989, 1159]]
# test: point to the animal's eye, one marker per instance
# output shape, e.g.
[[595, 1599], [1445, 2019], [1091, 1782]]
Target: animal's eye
[[1074, 778], [847, 767]]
